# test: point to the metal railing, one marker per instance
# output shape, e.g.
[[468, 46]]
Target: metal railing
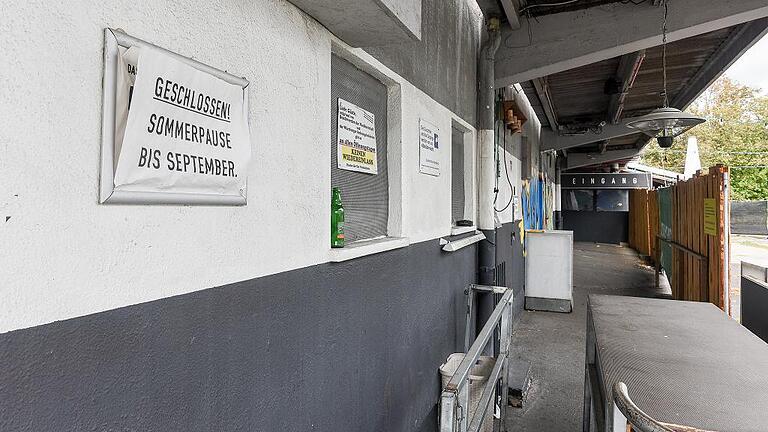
[[455, 415], [640, 421]]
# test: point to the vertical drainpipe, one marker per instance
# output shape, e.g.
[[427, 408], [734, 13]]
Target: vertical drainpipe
[[558, 213], [486, 258]]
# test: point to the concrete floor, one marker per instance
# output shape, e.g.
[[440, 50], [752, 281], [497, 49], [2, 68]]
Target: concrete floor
[[554, 343]]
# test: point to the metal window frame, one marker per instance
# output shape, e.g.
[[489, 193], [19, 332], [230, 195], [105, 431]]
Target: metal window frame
[[467, 170], [355, 84], [395, 128], [113, 39], [455, 198]]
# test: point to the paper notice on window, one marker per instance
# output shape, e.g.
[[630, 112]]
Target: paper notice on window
[[186, 131], [356, 136], [429, 148]]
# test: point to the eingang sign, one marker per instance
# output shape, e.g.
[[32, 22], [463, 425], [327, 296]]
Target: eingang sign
[[605, 181]]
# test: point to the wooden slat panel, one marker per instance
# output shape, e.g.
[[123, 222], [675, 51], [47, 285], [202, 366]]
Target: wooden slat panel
[[692, 278]]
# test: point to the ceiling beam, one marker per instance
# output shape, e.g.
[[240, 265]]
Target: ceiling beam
[[551, 140], [542, 91], [738, 42], [629, 66], [741, 39], [579, 160], [511, 11], [568, 40]]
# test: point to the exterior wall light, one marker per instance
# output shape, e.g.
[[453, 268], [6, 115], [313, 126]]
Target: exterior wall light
[[665, 123]]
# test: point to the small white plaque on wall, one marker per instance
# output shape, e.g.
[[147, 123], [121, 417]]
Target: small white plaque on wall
[[429, 148], [175, 131]]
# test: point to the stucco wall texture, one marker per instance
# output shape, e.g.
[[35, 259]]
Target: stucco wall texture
[[367, 22], [64, 255], [511, 172], [444, 62], [109, 320], [354, 346]]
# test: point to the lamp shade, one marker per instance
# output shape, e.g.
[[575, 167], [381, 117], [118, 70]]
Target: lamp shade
[[665, 122]]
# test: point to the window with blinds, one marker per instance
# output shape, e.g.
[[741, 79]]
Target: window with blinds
[[365, 196], [457, 174]]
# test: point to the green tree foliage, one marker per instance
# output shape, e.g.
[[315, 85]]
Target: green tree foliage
[[735, 134]]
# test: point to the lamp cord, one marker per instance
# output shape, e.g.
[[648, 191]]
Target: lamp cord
[[664, 54]]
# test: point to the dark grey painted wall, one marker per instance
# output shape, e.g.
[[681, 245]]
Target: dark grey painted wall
[[749, 217], [597, 227], [510, 251], [444, 63], [754, 307], [354, 346]]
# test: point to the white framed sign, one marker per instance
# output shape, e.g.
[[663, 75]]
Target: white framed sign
[[175, 131], [429, 148], [356, 139]]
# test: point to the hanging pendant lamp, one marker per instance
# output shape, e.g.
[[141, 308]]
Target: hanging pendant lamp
[[665, 123]]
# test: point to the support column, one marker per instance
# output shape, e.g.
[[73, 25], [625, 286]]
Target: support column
[[486, 258]]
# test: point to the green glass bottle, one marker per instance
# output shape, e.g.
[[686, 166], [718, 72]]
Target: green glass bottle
[[337, 220]]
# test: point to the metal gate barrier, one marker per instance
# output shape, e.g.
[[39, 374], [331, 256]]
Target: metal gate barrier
[[454, 400]]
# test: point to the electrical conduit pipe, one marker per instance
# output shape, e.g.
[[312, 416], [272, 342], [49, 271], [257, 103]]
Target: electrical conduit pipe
[[487, 217]]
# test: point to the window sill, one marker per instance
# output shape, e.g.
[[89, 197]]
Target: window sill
[[458, 230], [453, 246], [367, 247]]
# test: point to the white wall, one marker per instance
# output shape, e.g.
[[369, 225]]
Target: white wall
[[427, 199], [532, 131], [63, 255]]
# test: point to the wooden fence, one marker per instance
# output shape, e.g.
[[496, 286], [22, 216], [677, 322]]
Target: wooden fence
[[691, 248], [643, 221]]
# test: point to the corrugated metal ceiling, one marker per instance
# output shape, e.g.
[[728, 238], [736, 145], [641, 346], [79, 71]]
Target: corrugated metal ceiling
[[577, 5], [530, 7], [579, 95]]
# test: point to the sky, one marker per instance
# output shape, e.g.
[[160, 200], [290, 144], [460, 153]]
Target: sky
[[752, 68]]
